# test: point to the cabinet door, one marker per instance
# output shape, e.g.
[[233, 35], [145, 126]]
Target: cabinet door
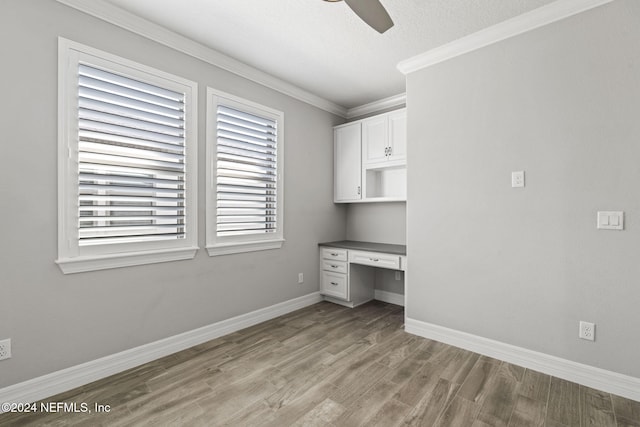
[[347, 152], [335, 285], [398, 136], [375, 140]]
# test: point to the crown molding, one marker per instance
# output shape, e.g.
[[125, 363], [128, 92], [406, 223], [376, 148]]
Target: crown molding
[[552, 12], [375, 106], [121, 18]]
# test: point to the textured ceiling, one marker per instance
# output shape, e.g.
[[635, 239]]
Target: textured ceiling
[[323, 47]]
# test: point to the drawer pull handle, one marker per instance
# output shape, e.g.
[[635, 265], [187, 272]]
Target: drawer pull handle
[[374, 259], [334, 283], [334, 254], [334, 266]]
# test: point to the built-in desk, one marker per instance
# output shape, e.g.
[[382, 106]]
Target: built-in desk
[[346, 276]]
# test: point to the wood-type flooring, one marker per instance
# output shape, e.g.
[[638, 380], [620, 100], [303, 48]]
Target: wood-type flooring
[[327, 365]]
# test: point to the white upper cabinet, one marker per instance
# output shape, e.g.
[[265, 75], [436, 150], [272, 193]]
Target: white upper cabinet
[[347, 185], [375, 139], [384, 139], [370, 159], [398, 136]]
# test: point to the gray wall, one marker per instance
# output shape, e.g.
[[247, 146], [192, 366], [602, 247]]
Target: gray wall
[[523, 266], [56, 321], [383, 223], [377, 222]]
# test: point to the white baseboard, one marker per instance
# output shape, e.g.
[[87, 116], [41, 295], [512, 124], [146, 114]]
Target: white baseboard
[[390, 297], [60, 381], [601, 379]]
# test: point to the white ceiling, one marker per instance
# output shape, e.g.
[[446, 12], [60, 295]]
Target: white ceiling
[[322, 47]]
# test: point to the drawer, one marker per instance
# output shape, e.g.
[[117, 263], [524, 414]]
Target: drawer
[[335, 266], [334, 285], [335, 254], [375, 259]]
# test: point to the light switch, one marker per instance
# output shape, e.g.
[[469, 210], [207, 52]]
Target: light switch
[[517, 179], [603, 219], [614, 220], [610, 220]]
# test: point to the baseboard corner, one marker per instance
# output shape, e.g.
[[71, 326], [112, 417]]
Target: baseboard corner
[[390, 297]]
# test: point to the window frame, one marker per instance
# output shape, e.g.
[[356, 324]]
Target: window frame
[[217, 245], [73, 258]]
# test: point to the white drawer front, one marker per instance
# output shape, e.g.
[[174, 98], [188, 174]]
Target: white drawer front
[[335, 254], [375, 259], [334, 285], [335, 266]]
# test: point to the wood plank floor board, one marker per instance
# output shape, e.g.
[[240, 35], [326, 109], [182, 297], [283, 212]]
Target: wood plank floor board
[[358, 382], [460, 412], [404, 371], [597, 408], [626, 411], [294, 358], [434, 347], [324, 414], [328, 365], [257, 414], [390, 414], [348, 339], [500, 399], [476, 385], [363, 408], [564, 403], [535, 385], [299, 407], [396, 355], [228, 401], [420, 384], [458, 367], [528, 413], [393, 343], [288, 390], [432, 404]]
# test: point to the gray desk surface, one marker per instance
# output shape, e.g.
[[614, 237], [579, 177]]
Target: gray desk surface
[[368, 246]]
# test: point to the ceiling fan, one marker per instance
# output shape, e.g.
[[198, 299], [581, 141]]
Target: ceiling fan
[[372, 12]]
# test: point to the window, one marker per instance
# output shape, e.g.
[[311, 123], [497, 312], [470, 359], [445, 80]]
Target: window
[[244, 175], [127, 162]]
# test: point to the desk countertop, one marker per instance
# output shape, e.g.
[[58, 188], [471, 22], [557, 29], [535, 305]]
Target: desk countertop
[[368, 246]]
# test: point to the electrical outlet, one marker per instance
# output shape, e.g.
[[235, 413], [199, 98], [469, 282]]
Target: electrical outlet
[[5, 349], [517, 179], [300, 278], [587, 331]]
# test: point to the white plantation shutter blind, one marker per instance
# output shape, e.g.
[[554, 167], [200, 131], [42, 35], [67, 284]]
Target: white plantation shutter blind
[[131, 160], [246, 173]]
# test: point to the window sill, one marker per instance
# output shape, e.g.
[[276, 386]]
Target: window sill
[[240, 247], [125, 259]]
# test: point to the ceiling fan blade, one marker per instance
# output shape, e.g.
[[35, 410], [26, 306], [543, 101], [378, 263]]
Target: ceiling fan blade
[[372, 12]]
